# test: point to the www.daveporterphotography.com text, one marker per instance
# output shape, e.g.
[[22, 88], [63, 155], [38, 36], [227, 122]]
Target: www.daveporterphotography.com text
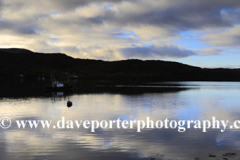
[[139, 125]]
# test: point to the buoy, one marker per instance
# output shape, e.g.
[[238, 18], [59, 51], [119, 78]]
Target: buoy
[[69, 103]]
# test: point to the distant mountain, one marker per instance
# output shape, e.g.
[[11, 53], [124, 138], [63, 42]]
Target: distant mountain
[[15, 62], [15, 50]]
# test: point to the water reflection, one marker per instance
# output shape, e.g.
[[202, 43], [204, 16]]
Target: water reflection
[[221, 101]]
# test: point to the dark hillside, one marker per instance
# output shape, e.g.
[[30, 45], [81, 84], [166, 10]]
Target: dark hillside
[[15, 62]]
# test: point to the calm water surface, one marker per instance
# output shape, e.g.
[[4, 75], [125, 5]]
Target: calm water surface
[[192, 101]]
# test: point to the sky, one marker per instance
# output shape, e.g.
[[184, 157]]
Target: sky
[[204, 33]]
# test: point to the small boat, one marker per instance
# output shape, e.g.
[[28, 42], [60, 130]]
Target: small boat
[[56, 86]]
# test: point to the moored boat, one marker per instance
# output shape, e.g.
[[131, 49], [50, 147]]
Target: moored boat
[[56, 85]]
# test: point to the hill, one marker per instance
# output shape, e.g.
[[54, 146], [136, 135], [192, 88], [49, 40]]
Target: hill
[[15, 62]]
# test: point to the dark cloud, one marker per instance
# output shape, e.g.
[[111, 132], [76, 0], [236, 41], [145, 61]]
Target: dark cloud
[[0, 6], [19, 27], [71, 49], [174, 15], [95, 20], [4, 24], [27, 30], [154, 51], [64, 5], [54, 5], [182, 15]]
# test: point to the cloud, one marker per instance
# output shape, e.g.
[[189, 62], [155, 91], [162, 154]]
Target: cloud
[[55, 5], [208, 51], [72, 4], [230, 38], [156, 51], [106, 29], [174, 15]]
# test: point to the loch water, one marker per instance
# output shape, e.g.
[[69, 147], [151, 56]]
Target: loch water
[[23, 100]]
